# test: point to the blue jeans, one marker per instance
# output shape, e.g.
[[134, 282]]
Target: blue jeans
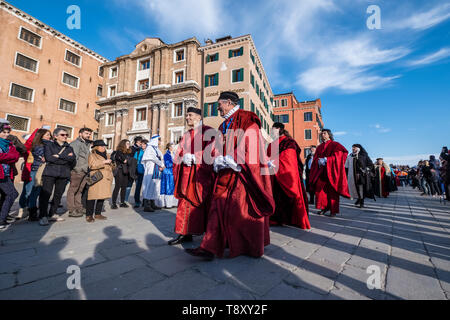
[[137, 192], [35, 191], [26, 191]]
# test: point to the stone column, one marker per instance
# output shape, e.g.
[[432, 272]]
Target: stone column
[[155, 108], [164, 107]]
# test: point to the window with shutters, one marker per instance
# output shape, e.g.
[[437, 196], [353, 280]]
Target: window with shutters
[[212, 80], [112, 91], [284, 102], [252, 56], [308, 116], [21, 92], [252, 79], [252, 106], [30, 37], [144, 64], [70, 80], [178, 110], [113, 72], [18, 123], [101, 71], [179, 55], [212, 57], [110, 119], [143, 85], [178, 77], [26, 63], [236, 52], [99, 91], [284, 118], [237, 75], [73, 58], [241, 103], [66, 105], [109, 143], [308, 134], [210, 110], [141, 115]]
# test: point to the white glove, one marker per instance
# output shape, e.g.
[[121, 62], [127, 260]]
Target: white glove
[[189, 159], [271, 164], [219, 164], [322, 162], [230, 163]]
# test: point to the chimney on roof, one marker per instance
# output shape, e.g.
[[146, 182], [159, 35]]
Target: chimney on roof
[[224, 39], [209, 41]]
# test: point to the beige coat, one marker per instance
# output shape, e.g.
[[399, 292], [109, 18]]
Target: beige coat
[[102, 189]]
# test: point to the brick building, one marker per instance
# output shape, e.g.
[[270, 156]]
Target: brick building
[[303, 120], [149, 90], [233, 64], [46, 78]]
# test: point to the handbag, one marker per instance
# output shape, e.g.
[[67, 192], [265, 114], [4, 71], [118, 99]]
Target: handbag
[[96, 177], [38, 178]]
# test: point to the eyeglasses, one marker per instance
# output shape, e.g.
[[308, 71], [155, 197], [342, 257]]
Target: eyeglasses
[[63, 134]]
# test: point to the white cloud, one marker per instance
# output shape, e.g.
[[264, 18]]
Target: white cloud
[[182, 18], [424, 20], [433, 57], [380, 128], [340, 133]]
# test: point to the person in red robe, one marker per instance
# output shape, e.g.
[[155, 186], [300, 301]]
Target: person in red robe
[[193, 179], [382, 178], [242, 199], [291, 201], [328, 178]]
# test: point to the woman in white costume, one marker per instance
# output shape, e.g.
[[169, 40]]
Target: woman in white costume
[[153, 161]]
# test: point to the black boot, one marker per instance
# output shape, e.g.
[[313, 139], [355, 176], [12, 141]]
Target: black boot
[[180, 239], [357, 202], [153, 205], [33, 215], [361, 204]]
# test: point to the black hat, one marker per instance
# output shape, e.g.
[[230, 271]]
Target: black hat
[[99, 143], [194, 110], [278, 125], [380, 159], [229, 95]]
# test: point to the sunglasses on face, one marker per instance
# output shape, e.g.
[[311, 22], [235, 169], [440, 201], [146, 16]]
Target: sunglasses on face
[[64, 135]]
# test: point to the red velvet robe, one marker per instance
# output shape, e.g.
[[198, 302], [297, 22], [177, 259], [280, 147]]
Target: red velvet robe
[[330, 181], [242, 201], [193, 185], [27, 166], [291, 208]]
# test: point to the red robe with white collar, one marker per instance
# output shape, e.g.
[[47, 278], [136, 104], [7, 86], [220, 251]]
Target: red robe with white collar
[[242, 201]]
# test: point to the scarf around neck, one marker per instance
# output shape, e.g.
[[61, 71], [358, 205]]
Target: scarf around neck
[[102, 154], [4, 145]]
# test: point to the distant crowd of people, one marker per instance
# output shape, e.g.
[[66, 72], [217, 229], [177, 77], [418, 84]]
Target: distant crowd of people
[[227, 184]]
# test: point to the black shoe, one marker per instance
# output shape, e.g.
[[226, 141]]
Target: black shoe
[[114, 207], [124, 205], [4, 225], [361, 204], [322, 212], [137, 205], [180, 239], [199, 252], [153, 205], [357, 202], [148, 209], [10, 219]]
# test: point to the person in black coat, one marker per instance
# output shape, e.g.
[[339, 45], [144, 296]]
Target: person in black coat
[[308, 163], [122, 175], [60, 160], [360, 179]]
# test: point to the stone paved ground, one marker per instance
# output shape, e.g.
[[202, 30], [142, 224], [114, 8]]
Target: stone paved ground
[[406, 236]]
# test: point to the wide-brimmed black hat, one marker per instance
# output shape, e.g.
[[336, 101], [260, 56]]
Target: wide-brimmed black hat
[[229, 95], [99, 143]]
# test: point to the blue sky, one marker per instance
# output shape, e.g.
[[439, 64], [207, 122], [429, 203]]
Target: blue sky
[[387, 89]]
